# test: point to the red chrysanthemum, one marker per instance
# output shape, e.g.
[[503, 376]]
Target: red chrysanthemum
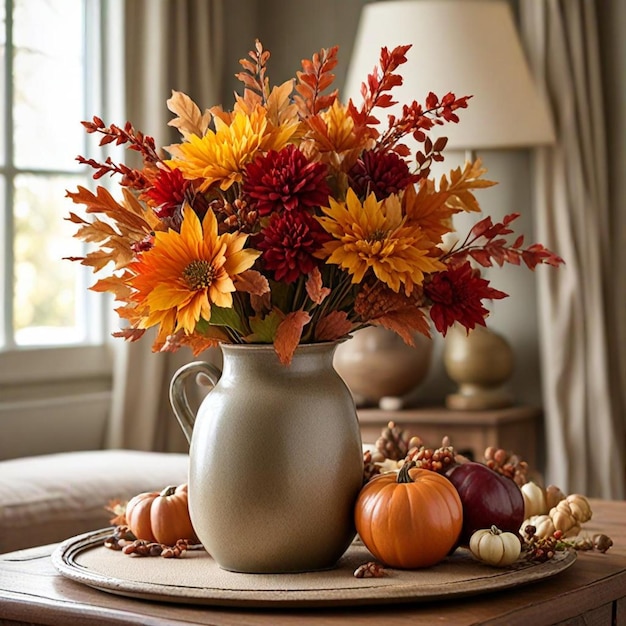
[[383, 173], [285, 180], [288, 244], [168, 192], [456, 296]]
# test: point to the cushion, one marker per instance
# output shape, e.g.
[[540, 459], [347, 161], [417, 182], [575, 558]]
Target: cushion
[[49, 498]]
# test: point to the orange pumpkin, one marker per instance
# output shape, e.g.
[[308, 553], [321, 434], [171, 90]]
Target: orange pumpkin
[[409, 519], [161, 517]]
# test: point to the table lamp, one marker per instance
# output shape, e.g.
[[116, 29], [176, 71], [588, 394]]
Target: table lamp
[[468, 47]]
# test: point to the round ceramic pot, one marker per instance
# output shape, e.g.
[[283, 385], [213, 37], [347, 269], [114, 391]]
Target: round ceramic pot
[[377, 364], [276, 460]]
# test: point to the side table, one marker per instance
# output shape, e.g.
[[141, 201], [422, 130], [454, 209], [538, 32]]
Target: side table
[[515, 428]]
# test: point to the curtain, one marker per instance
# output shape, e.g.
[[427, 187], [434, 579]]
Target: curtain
[[585, 432], [169, 45]]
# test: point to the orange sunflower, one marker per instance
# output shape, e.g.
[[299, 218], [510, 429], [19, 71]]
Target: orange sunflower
[[373, 236], [183, 274]]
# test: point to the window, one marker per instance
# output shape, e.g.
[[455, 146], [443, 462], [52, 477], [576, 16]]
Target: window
[[55, 363], [49, 82], [53, 330]]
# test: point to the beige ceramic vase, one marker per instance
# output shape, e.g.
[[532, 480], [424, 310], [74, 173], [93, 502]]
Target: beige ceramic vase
[[276, 460], [378, 365]]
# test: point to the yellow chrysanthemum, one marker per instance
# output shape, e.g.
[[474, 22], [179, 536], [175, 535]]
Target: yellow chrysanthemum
[[183, 274], [373, 236], [221, 155]]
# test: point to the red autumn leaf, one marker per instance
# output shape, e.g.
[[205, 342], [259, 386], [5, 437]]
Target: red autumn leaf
[[480, 228], [512, 256], [481, 256], [288, 335]]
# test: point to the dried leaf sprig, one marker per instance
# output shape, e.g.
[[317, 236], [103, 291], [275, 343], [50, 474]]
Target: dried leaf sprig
[[486, 243]]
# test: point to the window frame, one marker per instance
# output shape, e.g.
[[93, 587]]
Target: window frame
[[34, 370]]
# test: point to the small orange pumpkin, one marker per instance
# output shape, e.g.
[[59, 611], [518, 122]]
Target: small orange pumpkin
[[409, 519], [162, 517]]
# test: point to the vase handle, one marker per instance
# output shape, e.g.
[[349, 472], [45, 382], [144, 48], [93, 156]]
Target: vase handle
[[178, 394]]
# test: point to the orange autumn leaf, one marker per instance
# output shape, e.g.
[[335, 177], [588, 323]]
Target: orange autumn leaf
[[134, 223], [288, 335], [461, 184], [252, 282], [315, 288], [116, 285], [129, 334], [315, 77], [405, 322], [431, 208], [333, 326]]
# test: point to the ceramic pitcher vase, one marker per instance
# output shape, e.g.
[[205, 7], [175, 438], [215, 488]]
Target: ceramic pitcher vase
[[276, 460]]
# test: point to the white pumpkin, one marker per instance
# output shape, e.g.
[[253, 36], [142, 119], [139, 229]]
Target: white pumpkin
[[534, 499], [494, 547], [544, 526]]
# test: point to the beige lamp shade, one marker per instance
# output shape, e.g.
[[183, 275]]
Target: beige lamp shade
[[468, 47]]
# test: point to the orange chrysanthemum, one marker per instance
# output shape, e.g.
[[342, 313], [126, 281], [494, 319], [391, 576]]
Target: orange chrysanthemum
[[373, 236], [183, 274], [220, 156]]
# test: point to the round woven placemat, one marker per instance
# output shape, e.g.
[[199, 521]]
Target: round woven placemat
[[197, 579]]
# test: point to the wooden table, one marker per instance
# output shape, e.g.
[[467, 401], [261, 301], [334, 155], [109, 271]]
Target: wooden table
[[591, 591]]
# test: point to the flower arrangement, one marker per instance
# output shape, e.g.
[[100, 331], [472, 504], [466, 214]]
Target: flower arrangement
[[293, 217]]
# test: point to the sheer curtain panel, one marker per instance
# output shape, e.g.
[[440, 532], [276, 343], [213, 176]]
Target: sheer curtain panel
[[580, 360], [169, 45]]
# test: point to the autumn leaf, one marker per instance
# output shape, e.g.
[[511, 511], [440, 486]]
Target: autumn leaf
[[461, 184], [262, 303], [316, 76], [315, 288], [115, 285], [280, 108], [129, 334], [373, 90], [252, 282], [405, 322], [189, 119], [333, 326], [264, 328], [254, 75], [288, 335], [118, 508], [129, 223]]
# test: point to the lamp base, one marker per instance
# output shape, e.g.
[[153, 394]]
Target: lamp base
[[476, 398]]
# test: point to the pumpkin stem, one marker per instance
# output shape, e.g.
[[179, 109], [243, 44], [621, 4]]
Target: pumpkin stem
[[403, 474], [495, 530], [168, 491]]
